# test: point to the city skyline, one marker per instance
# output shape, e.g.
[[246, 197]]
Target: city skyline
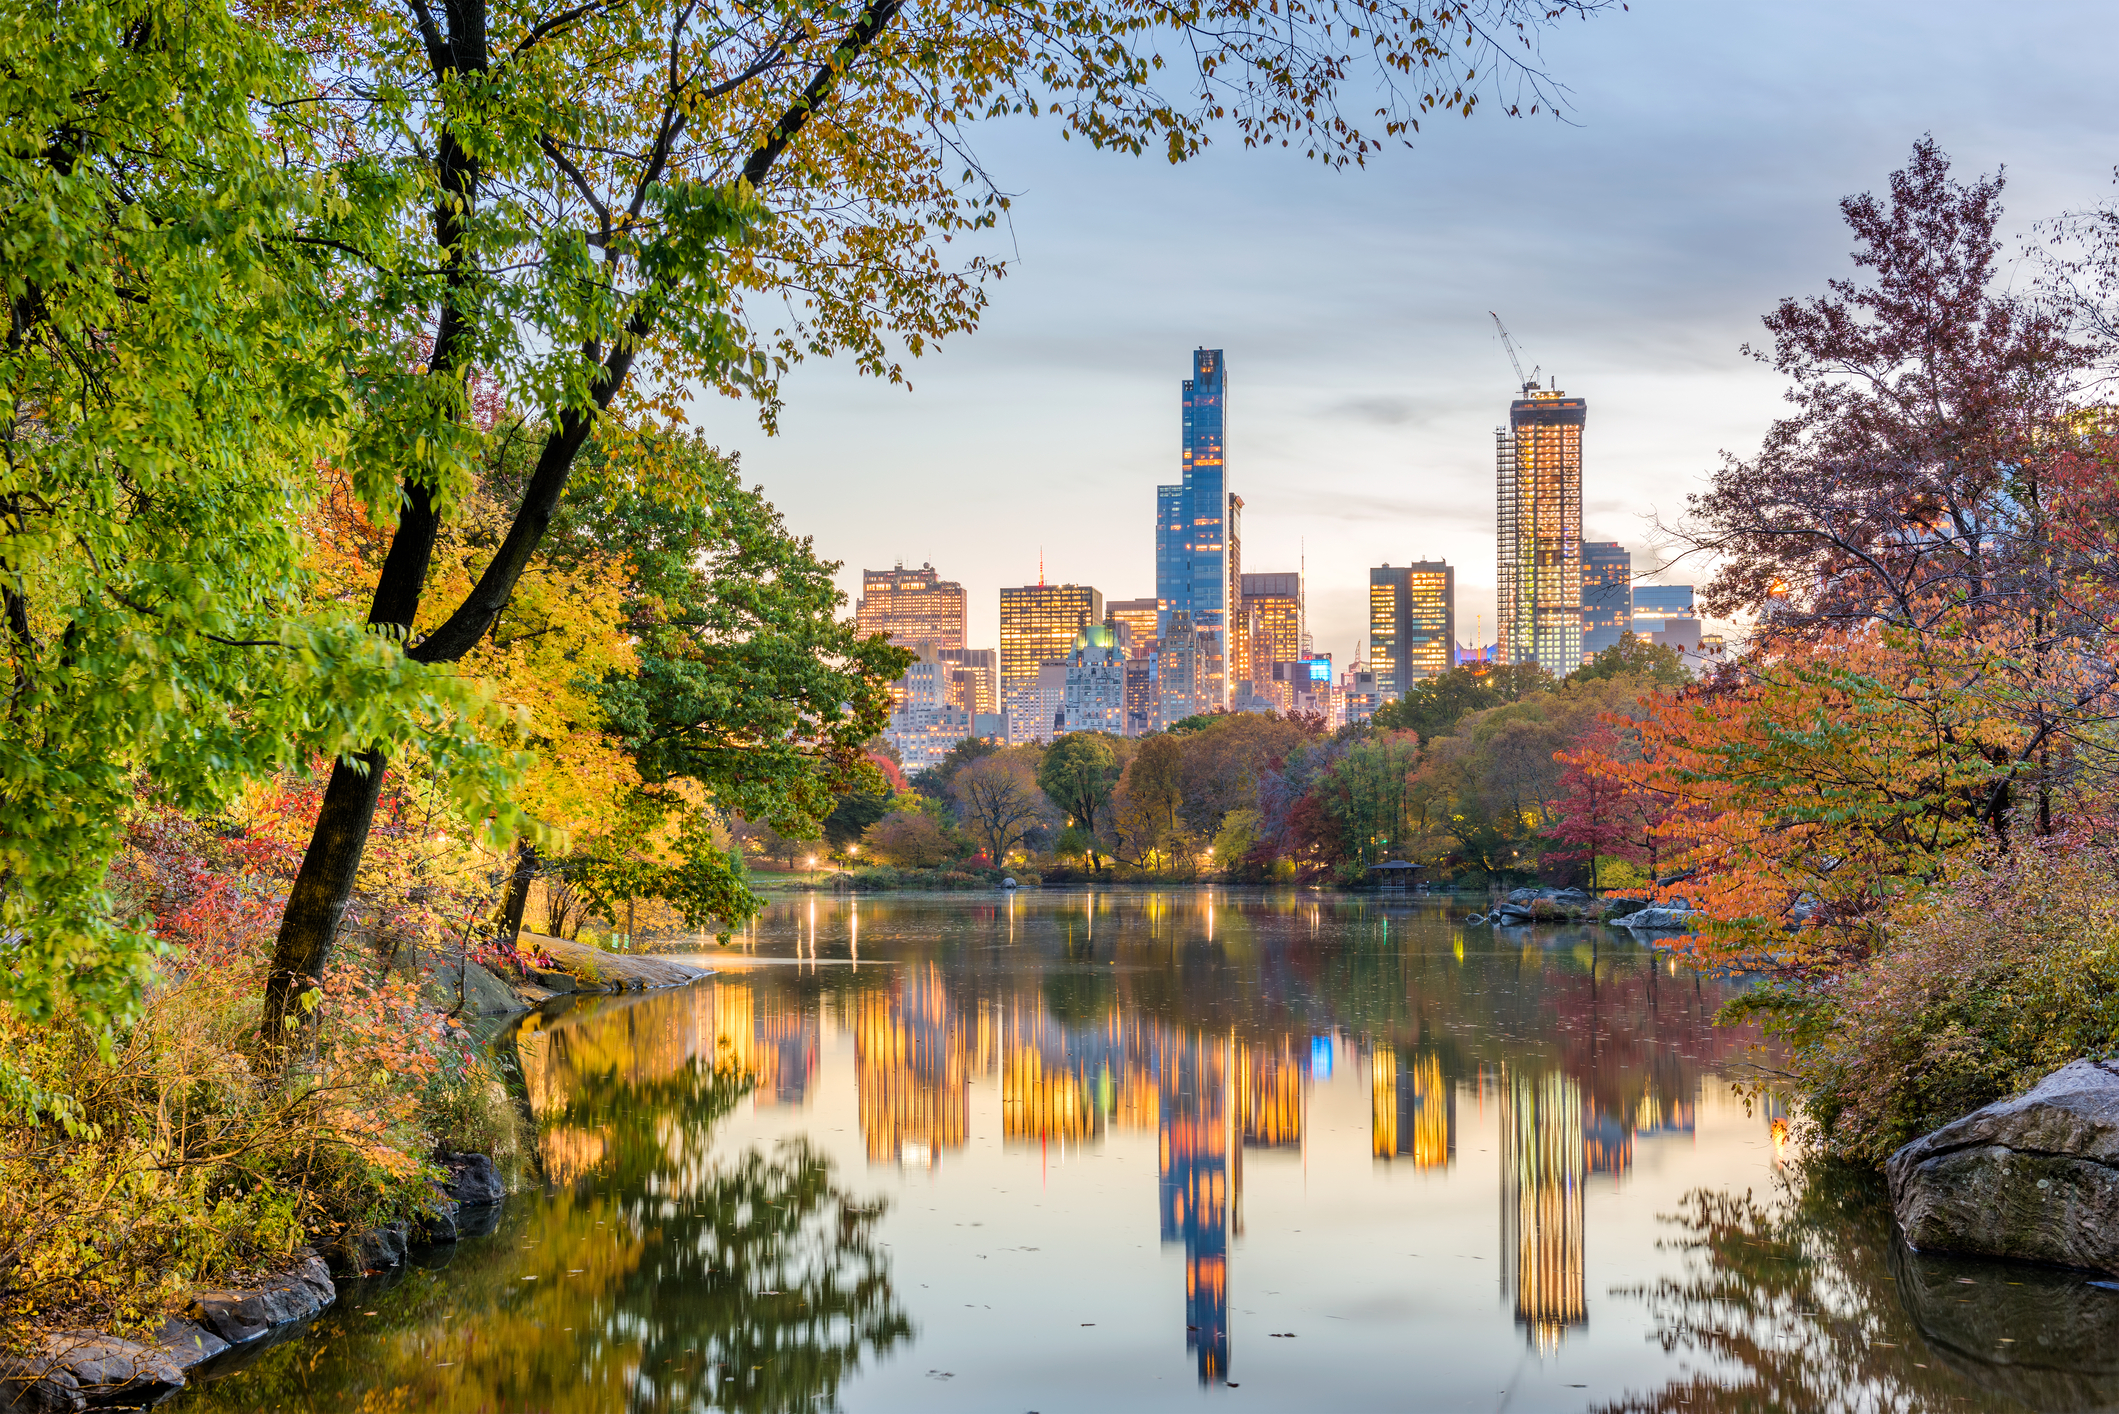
[[1370, 378]]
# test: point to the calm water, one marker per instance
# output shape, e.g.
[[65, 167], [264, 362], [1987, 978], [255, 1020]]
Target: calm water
[[1114, 1151]]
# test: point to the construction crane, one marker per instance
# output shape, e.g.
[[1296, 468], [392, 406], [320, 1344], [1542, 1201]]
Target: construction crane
[[1509, 345]]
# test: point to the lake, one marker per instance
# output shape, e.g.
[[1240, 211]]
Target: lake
[[1104, 1150]]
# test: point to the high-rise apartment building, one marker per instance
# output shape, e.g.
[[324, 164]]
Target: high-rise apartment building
[[912, 606], [1199, 531], [1274, 631], [1095, 684], [1038, 625], [1141, 620], [1412, 623], [1538, 505], [1607, 595]]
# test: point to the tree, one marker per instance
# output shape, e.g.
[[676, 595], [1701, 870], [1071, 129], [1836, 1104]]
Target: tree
[[585, 205], [1433, 706], [999, 800], [910, 840], [1931, 483], [1597, 813], [1145, 824], [167, 383], [1078, 773], [1366, 795], [1635, 657]]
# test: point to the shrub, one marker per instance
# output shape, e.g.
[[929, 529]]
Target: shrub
[[1984, 986]]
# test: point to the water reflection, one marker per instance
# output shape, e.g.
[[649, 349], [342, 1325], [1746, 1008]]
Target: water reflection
[[1804, 1299], [1372, 1140]]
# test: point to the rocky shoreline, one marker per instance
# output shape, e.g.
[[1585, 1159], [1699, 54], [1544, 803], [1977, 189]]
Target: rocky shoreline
[[1522, 906], [88, 1369]]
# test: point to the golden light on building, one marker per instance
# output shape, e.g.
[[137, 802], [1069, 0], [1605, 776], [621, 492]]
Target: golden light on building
[[912, 607], [1038, 625], [1542, 1163], [1383, 627], [1538, 523], [1139, 617]]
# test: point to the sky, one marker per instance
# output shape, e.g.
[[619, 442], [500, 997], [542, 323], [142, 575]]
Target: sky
[[1631, 248]]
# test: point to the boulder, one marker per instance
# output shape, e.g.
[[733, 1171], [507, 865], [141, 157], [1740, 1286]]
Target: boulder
[[472, 1180], [90, 1370], [594, 970], [2034, 1177], [1659, 919], [187, 1342], [1616, 908], [240, 1316], [375, 1249]]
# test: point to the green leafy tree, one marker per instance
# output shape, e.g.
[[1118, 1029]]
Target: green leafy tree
[[1637, 658], [168, 382], [1078, 773], [1435, 705]]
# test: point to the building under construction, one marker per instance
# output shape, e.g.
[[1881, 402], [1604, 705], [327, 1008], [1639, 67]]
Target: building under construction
[[1538, 530]]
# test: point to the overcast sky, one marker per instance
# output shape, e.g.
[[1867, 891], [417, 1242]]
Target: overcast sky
[[1631, 250]]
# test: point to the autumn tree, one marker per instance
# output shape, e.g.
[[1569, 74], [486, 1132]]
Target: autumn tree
[[598, 202], [1918, 491], [999, 800], [1078, 773]]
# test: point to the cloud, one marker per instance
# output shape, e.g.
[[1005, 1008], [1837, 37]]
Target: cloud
[[1382, 410]]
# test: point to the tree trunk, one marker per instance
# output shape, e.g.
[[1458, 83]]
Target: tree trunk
[[323, 888], [518, 892]]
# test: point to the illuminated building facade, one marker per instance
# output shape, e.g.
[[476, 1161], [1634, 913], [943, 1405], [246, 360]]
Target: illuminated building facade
[[1273, 627], [1039, 623], [1143, 712], [1607, 595], [926, 723], [1412, 624], [974, 678], [912, 607], [1543, 1158], [1181, 678], [1538, 530], [1653, 604], [1199, 533], [1139, 622]]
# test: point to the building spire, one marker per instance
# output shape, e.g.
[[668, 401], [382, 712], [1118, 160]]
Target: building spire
[[1041, 566]]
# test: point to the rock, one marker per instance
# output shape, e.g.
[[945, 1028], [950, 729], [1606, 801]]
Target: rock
[[187, 1342], [472, 1179], [1659, 919], [1615, 908], [90, 1370], [375, 1249], [438, 1226], [482, 995], [241, 1316], [552, 982], [2034, 1177], [593, 969]]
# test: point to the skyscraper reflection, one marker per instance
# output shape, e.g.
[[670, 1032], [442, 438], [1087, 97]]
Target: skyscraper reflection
[[1542, 1163], [1412, 1109], [1194, 1170], [912, 1070]]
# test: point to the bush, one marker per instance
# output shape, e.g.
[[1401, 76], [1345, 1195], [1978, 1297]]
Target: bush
[[137, 1162], [1983, 987]]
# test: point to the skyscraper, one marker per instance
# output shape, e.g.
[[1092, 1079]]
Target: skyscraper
[[1199, 531], [1273, 621], [1653, 604], [1038, 625], [912, 606], [1538, 505], [1607, 595], [973, 684], [1141, 619], [1412, 623]]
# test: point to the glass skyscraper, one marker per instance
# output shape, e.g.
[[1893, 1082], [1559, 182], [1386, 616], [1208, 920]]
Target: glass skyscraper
[[1412, 623], [1607, 595], [1198, 529]]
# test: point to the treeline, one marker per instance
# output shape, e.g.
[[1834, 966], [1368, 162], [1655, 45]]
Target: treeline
[[1466, 775]]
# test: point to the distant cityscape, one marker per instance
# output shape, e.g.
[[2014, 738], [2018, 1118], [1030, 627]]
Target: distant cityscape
[[1216, 638]]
